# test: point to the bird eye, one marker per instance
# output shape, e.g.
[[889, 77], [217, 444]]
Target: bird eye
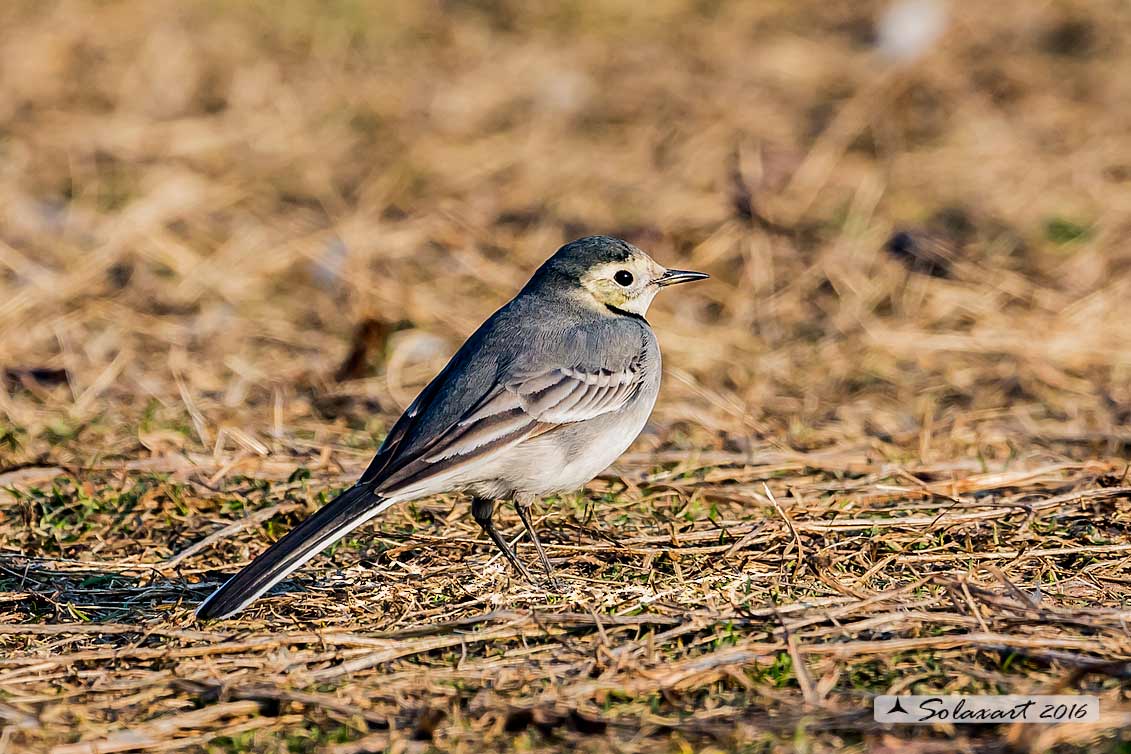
[[623, 277]]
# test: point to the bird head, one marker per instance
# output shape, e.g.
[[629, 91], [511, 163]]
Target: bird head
[[609, 274]]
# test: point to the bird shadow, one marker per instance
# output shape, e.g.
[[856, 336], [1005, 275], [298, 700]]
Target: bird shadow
[[39, 590]]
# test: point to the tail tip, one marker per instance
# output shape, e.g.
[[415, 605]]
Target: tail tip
[[209, 610]]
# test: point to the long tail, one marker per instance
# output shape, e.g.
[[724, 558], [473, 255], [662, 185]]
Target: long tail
[[330, 523]]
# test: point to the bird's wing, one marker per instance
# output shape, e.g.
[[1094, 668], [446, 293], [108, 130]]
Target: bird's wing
[[528, 405], [573, 394], [557, 396]]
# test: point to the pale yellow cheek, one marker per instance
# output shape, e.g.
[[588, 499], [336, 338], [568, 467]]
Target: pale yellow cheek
[[616, 297], [607, 294]]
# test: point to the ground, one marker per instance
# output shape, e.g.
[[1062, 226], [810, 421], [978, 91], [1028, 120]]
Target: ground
[[890, 454]]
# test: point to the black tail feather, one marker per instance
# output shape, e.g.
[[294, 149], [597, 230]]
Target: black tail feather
[[333, 521]]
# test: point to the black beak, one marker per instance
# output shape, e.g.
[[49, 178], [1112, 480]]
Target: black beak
[[671, 277]]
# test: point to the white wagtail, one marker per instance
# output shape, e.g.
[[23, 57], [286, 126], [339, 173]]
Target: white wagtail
[[542, 398]]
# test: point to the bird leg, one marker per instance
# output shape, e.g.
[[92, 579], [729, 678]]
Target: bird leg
[[482, 510], [522, 506]]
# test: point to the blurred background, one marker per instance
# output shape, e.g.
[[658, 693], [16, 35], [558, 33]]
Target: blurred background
[[262, 226], [237, 237]]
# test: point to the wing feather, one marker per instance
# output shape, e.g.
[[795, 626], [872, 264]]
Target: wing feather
[[529, 406], [580, 395]]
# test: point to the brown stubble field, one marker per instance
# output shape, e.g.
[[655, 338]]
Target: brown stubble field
[[235, 238]]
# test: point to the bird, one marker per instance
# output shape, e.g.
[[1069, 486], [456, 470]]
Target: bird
[[543, 397]]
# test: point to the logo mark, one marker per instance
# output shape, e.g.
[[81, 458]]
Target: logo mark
[[897, 707]]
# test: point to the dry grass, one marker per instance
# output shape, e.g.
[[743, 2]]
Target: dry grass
[[236, 238]]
